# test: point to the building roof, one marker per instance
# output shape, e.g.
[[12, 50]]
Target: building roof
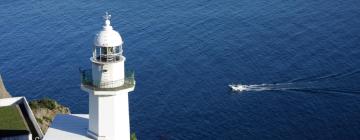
[[26, 113], [108, 37], [68, 126], [11, 119]]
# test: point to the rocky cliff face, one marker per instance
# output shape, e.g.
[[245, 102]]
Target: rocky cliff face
[[3, 91], [45, 110]]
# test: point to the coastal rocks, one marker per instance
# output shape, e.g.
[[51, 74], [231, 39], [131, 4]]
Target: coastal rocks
[[3, 91], [45, 110]]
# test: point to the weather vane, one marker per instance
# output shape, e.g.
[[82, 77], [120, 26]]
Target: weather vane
[[107, 16]]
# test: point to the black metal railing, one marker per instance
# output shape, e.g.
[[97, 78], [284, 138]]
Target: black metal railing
[[88, 82]]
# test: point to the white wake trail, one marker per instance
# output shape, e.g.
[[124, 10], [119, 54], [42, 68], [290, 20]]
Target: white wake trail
[[264, 87]]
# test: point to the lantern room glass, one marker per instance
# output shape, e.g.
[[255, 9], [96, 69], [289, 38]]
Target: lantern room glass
[[107, 54]]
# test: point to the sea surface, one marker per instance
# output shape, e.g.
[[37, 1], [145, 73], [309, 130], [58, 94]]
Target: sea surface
[[304, 53]]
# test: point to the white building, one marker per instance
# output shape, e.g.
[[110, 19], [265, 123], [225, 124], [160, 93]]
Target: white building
[[108, 85]]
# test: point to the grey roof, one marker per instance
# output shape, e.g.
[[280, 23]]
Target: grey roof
[[68, 127]]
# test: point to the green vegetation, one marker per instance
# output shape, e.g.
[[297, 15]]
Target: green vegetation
[[133, 136], [11, 119], [43, 103], [46, 118], [45, 110], [39, 120]]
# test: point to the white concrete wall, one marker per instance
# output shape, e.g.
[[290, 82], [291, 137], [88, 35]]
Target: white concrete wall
[[93, 113], [104, 73], [109, 110], [122, 120], [109, 116]]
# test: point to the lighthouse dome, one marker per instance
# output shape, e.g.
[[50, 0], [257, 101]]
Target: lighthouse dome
[[108, 37]]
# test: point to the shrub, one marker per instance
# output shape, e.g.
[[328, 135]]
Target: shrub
[[43, 103], [47, 118], [133, 136], [39, 120]]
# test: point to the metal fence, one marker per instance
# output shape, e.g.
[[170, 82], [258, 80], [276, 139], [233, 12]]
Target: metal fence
[[87, 81]]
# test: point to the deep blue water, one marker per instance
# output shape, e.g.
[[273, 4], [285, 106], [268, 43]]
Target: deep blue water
[[186, 52]]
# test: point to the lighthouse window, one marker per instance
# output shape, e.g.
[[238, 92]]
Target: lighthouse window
[[107, 54], [97, 53], [118, 50]]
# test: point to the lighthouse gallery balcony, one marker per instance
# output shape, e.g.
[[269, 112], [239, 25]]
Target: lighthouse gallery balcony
[[88, 82]]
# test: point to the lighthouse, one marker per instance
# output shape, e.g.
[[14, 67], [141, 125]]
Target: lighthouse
[[108, 85]]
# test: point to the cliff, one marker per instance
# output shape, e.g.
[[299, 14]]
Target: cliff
[[45, 110], [3, 92]]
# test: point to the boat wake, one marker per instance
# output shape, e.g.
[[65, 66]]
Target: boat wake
[[262, 87], [332, 83]]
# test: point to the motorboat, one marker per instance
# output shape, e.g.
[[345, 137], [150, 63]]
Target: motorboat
[[239, 87]]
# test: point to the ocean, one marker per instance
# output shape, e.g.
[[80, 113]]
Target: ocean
[[306, 55]]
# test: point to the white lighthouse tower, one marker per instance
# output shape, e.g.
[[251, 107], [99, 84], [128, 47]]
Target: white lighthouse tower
[[108, 85]]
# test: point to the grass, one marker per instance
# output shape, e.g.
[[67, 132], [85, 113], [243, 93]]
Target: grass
[[10, 119]]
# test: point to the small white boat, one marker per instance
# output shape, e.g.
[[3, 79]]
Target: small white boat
[[239, 87]]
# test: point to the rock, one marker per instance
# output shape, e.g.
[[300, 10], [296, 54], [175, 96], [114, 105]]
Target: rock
[[3, 92], [45, 110]]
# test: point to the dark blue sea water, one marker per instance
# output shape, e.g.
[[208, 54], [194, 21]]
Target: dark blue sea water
[[186, 52]]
